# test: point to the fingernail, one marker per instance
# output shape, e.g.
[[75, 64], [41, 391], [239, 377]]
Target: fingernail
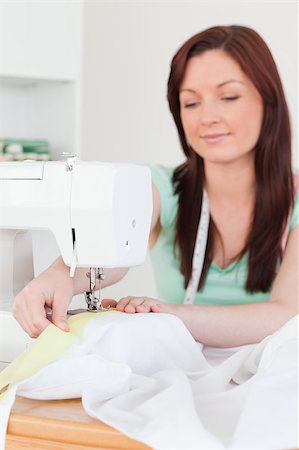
[[156, 307], [64, 326]]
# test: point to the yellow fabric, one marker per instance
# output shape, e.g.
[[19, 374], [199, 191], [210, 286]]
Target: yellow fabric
[[49, 345]]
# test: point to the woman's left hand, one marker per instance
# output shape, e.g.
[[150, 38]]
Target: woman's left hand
[[139, 305]]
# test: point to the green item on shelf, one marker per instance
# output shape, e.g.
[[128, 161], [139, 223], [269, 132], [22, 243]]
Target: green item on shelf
[[20, 149]]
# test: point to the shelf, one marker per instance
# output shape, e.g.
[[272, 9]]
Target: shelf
[[27, 81]]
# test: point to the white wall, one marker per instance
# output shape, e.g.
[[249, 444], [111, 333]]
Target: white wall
[[40, 38], [128, 50]]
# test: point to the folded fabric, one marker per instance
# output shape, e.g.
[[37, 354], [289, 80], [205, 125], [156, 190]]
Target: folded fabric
[[146, 376]]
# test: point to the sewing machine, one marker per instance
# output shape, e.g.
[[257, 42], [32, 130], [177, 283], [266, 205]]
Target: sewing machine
[[99, 214]]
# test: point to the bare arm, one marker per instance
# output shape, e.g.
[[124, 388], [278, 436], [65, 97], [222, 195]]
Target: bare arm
[[229, 326]]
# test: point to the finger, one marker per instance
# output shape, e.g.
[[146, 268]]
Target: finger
[[30, 315], [38, 321], [20, 311], [156, 308], [37, 326], [59, 313], [163, 308], [143, 308], [109, 302], [146, 305], [22, 318], [122, 303], [134, 303]]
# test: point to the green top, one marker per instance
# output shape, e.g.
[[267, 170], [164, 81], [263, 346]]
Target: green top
[[222, 286]]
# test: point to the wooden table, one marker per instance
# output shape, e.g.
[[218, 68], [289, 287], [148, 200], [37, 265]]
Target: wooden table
[[61, 425]]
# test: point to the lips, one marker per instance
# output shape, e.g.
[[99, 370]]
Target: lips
[[212, 138]]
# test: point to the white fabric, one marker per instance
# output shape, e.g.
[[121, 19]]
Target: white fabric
[[145, 375]]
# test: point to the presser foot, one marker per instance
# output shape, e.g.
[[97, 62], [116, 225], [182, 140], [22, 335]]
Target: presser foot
[[97, 309], [93, 303], [73, 312]]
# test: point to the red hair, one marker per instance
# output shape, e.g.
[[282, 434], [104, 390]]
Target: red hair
[[273, 167]]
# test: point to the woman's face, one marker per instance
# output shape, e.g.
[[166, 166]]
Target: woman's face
[[221, 110]]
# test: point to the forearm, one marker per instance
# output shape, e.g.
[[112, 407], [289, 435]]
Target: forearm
[[81, 281], [230, 326], [227, 326]]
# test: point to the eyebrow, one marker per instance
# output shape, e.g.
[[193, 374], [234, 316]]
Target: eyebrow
[[218, 86]]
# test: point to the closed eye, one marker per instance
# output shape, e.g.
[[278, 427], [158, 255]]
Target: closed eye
[[191, 105], [229, 99]]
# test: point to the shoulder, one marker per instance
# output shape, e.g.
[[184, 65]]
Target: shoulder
[[162, 181], [162, 177]]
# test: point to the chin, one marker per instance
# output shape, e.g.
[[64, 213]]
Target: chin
[[222, 156], [219, 159]]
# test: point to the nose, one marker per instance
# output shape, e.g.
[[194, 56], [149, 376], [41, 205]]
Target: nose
[[209, 113]]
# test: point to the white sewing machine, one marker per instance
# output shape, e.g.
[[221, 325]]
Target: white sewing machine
[[99, 214]]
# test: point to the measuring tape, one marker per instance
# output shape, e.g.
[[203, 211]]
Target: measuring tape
[[199, 250]]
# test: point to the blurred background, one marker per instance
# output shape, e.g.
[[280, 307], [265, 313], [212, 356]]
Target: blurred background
[[89, 77]]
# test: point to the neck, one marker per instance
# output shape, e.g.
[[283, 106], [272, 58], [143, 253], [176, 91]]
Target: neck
[[233, 182]]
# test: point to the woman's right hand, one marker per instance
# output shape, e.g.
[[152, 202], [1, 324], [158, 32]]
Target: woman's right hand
[[47, 295]]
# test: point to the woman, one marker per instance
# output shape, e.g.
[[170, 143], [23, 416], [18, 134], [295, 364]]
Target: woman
[[228, 104]]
